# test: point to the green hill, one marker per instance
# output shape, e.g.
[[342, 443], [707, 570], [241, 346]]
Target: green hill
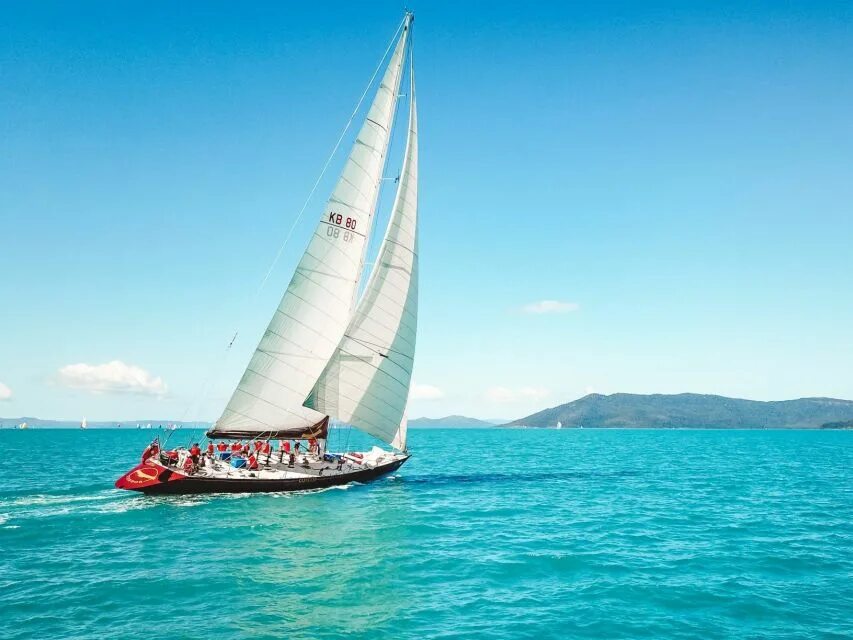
[[690, 410], [843, 424]]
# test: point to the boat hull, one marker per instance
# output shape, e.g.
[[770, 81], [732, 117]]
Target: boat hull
[[154, 479]]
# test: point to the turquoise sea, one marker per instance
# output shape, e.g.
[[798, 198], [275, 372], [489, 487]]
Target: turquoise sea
[[483, 534]]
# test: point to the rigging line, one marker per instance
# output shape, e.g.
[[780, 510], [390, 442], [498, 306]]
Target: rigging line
[[381, 191], [215, 372], [378, 348], [399, 178], [382, 196], [329, 160]]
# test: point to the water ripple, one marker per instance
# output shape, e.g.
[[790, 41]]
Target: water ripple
[[622, 535]]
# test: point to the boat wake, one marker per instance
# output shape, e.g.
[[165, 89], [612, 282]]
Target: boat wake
[[40, 506], [514, 478]]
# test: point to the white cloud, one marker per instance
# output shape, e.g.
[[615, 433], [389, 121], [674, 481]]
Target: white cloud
[[506, 395], [112, 377], [5, 392], [425, 392], [550, 306]]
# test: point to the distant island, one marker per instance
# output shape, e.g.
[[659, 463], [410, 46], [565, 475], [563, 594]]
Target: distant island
[[618, 411], [451, 421], [41, 423], [691, 410]]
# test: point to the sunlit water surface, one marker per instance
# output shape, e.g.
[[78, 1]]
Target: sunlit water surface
[[483, 534]]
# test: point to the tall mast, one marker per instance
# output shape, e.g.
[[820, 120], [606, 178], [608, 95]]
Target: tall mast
[[317, 304], [366, 382]]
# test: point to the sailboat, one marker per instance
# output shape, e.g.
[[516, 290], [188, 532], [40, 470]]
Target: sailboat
[[84, 424], [327, 355]]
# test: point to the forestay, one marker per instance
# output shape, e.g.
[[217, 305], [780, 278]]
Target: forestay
[[317, 305], [366, 382]]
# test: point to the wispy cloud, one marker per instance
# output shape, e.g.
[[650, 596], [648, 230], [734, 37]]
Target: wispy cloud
[[5, 392], [506, 395], [425, 392], [111, 377], [550, 306]]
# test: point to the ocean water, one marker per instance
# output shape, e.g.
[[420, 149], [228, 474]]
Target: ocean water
[[483, 534]]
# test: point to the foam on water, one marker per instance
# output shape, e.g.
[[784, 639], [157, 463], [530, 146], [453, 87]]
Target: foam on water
[[532, 534]]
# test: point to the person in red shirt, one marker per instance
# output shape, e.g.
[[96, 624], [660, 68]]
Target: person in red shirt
[[253, 462], [222, 446], [236, 446], [210, 449], [195, 453], [287, 447], [258, 445], [266, 449], [151, 451]]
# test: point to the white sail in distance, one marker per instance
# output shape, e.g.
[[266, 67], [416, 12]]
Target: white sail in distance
[[317, 305], [366, 382]]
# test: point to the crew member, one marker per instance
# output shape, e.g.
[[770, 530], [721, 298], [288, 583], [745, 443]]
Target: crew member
[[195, 453], [210, 449], [253, 462], [222, 447], [150, 451], [266, 449], [236, 446]]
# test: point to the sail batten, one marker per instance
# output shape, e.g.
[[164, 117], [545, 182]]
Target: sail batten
[[314, 311], [366, 381]]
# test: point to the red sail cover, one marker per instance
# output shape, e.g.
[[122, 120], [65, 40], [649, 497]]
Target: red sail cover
[[319, 431]]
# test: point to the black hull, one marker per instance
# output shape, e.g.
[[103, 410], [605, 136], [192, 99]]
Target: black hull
[[199, 484]]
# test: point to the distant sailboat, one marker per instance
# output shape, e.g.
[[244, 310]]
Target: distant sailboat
[[559, 424], [323, 357], [23, 425], [84, 424]]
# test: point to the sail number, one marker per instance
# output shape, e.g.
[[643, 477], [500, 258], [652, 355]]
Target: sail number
[[338, 219], [348, 224]]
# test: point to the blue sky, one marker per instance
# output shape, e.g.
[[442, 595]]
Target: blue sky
[[677, 176]]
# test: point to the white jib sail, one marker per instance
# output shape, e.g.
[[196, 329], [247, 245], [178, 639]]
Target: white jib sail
[[366, 382], [317, 305]]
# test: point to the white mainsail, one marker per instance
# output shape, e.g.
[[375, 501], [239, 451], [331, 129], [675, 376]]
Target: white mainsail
[[366, 382], [317, 305]]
